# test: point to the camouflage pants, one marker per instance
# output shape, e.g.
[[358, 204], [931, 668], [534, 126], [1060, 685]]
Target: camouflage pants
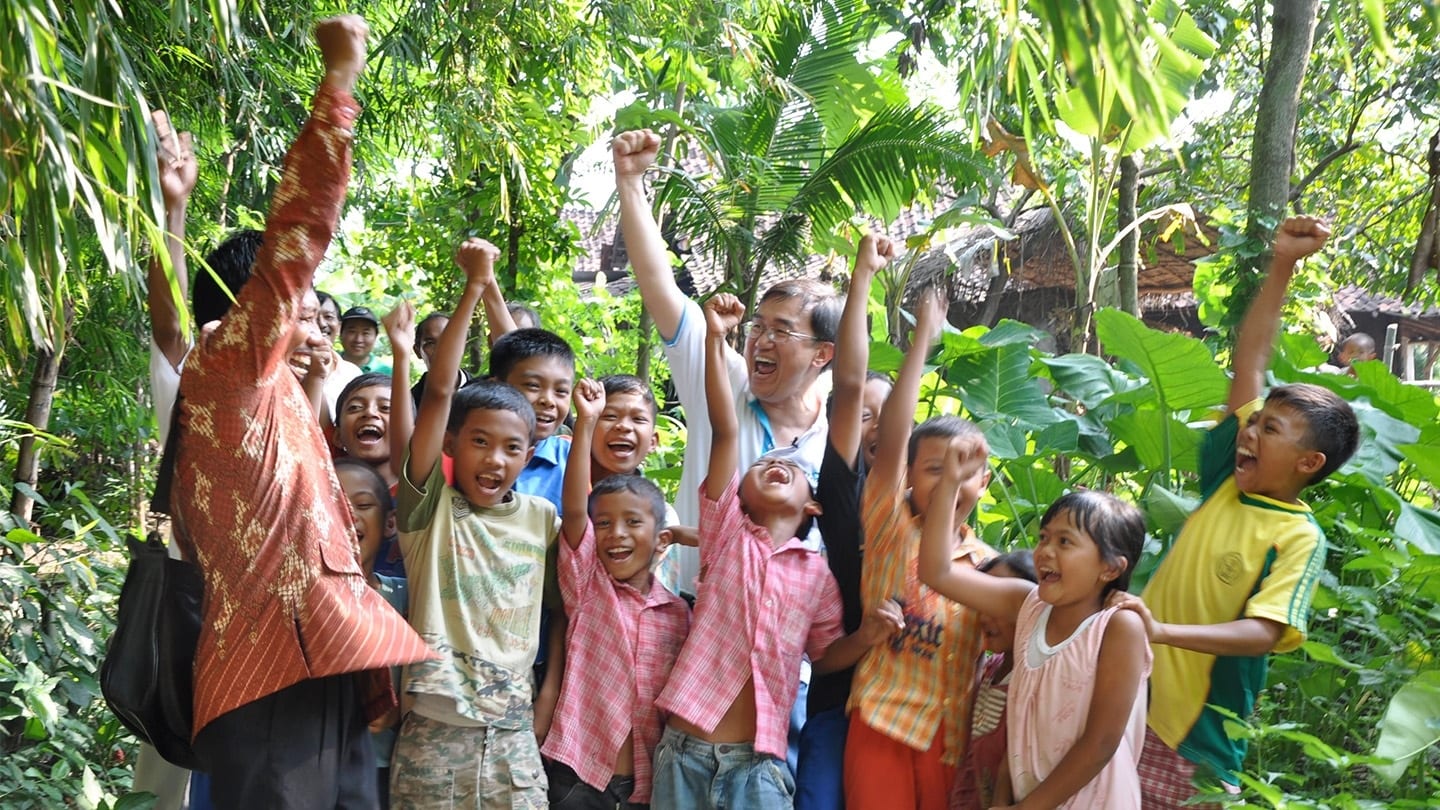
[[438, 766]]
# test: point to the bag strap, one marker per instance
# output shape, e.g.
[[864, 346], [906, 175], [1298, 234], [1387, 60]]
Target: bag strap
[[165, 478]]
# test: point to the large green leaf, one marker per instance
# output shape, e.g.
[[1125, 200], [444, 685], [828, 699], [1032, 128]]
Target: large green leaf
[[1411, 403], [1411, 724], [1420, 527], [1381, 437], [1146, 431], [996, 384], [1179, 368], [1087, 378]]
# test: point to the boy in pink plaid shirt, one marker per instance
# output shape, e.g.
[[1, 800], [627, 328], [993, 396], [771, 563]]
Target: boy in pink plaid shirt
[[763, 600], [624, 633]]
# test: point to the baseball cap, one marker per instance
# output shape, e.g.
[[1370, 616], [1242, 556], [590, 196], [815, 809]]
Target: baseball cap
[[360, 314]]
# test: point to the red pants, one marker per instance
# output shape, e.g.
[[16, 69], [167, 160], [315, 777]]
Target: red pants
[[883, 774]]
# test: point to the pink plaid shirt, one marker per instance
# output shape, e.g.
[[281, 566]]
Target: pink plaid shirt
[[757, 609], [621, 645]]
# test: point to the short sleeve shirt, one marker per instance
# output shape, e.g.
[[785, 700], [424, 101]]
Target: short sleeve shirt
[[758, 610], [1238, 555], [475, 576]]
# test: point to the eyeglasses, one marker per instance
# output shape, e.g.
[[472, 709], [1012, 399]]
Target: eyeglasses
[[757, 329]]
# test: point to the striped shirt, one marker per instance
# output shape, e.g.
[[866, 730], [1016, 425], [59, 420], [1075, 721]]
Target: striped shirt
[[620, 647], [261, 511], [758, 608], [925, 676]]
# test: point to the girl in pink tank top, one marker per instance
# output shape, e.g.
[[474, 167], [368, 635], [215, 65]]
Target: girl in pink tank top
[[1076, 719]]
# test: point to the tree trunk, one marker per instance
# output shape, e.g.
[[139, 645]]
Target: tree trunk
[[1129, 261], [1427, 246], [1272, 159], [37, 415]]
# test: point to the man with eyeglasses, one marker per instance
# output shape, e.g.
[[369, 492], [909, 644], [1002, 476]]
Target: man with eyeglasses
[[789, 342]]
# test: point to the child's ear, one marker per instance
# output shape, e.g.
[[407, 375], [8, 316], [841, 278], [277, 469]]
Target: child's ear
[[529, 454], [663, 540], [1114, 568], [448, 446], [812, 508], [390, 524], [1310, 463], [654, 443]]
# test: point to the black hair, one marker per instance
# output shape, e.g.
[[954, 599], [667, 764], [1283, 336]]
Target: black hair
[[379, 488], [1331, 426], [326, 298], [517, 310], [870, 376], [420, 327], [232, 261], [1117, 528], [1021, 561], [817, 299], [490, 395], [635, 485], [630, 384], [946, 426], [371, 379], [523, 344]]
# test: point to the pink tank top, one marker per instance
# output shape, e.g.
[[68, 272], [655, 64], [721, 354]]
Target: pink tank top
[[1050, 695]]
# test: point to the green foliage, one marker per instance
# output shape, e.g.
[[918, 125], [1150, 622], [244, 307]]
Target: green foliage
[[1127, 428], [59, 745]]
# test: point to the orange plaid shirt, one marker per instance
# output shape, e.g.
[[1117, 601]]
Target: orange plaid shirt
[[925, 676]]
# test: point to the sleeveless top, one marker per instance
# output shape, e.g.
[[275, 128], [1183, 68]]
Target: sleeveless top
[[1050, 694]]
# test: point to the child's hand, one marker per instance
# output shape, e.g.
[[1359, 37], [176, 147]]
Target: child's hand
[[589, 397], [1131, 602], [684, 535], [881, 622], [634, 152], [342, 47], [722, 313], [175, 161], [400, 325], [477, 258], [1298, 237], [966, 457], [873, 255], [323, 360], [930, 316]]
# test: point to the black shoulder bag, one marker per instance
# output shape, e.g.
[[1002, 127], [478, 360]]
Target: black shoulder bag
[[149, 670]]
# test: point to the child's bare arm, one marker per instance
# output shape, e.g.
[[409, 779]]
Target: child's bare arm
[[935, 566], [1248, 636], [477, 258], [852, 348], [400, 329], [634, 153], [498, 319], [589, 397], [177, 171], [898, 418], [1296, 238], [880, 623], [1119, 672], [722, 313]]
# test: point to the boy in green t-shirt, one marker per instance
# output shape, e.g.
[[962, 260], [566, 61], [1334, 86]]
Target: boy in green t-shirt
[[475, 558], [1238, 581]]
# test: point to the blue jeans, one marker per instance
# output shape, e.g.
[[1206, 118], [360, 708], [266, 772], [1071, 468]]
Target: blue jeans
[[694, 774], [820, 780]]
